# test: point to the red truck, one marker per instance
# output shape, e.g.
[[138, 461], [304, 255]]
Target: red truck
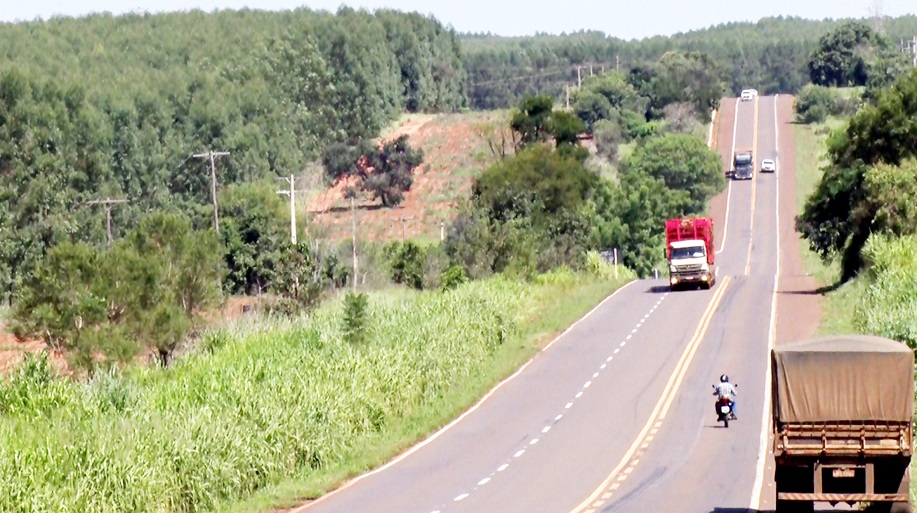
[[689, 252]]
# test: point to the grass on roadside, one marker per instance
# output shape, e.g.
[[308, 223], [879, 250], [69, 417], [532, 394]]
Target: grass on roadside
[[811, 156], [270, 413]]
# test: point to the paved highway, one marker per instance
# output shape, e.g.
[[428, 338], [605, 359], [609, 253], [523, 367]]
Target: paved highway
[[616, 415]]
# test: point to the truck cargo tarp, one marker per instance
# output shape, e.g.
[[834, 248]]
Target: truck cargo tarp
[[846, 378]]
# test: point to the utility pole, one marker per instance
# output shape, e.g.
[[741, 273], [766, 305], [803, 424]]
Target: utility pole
[[404, 221], [109, 203], [291, 193], [579, 77], [617, 62], [442, 231], [591, 74], [567, 89], [913, 47], [213, 182], [353, 235]]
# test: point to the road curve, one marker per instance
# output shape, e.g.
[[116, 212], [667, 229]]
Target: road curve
[[617, 415]]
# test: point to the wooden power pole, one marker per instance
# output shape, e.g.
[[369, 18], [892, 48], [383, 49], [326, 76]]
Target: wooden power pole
[[108, 203], [213, 182], [404, 221], [291, 193], [353, 235]]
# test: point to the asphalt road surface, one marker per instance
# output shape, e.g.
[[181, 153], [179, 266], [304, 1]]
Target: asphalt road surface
[[616, 415]]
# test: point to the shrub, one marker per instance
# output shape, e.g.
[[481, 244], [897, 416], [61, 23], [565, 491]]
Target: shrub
[[355, 318], [815, 103], [407, 263], [452, 277]]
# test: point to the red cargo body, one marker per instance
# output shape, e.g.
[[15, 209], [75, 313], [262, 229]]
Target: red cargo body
[[690, 228]]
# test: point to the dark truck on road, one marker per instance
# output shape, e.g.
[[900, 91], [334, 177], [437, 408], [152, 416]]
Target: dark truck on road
[[843, 409], [743, 166]]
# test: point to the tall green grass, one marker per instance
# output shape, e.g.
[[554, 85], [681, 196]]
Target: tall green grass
[[265, 403], [889, 305], [811, 156]]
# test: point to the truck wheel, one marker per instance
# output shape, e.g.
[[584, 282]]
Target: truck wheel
[[794, 479], [795, 507], [890, 507]]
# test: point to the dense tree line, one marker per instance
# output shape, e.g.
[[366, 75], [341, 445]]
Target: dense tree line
[[107, 106], [771, 55]]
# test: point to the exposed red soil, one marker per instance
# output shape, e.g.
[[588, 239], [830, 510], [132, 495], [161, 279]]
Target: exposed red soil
[[452, 146]]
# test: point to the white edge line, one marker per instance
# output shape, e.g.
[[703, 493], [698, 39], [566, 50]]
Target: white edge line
[[458, 419], [581, 319], [755, 502], [732, 156], [710, 131]]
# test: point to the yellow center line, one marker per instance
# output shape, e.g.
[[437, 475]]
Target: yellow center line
[[754, 187], [662, 406]]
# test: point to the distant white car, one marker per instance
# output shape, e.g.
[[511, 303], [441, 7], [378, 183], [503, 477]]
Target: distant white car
[[768, 166], [749, 94]]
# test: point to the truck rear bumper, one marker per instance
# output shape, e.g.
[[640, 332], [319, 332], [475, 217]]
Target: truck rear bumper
[[843, 497]]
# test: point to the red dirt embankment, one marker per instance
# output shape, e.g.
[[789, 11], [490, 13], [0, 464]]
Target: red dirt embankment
[[454, 149]]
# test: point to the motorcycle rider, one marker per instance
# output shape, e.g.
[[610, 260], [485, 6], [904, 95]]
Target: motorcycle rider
[[725, 389]]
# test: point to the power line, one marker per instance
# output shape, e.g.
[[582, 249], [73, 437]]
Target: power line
[[556, 71], [513, 79]]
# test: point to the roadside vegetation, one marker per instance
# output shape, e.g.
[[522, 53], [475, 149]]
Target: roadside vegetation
[[264, 402], [860, 217], [857, 169]]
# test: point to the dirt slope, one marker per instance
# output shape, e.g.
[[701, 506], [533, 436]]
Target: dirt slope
[[454, 151]]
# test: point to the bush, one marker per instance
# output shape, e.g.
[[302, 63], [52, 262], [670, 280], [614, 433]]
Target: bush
[[407, 263], [815, 103], [148, 291], [452, 277], [608, 135], [355, 318], [598, 266]]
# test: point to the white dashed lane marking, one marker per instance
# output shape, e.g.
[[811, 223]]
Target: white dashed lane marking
[[569, 405]]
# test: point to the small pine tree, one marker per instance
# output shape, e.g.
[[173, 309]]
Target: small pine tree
[[355, 318]]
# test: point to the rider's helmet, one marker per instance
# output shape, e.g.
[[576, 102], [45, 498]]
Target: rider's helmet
[[724, 379]]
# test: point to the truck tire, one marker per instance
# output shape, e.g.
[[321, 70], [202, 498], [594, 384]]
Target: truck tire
[[794, 479], [890, 507], [904, 486], [795, 507]]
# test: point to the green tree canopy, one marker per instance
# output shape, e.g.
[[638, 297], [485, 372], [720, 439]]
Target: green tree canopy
[[835, 217], [683, 162], [844, 55]]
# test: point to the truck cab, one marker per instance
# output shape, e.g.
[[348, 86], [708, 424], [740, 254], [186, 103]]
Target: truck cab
[[743, 166], [688, 263], [689, 251]]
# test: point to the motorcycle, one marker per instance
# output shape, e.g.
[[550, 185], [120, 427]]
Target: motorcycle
[[724, 410]]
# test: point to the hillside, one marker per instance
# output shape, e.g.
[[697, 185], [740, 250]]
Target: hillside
[[771, 53], [455, 149]]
